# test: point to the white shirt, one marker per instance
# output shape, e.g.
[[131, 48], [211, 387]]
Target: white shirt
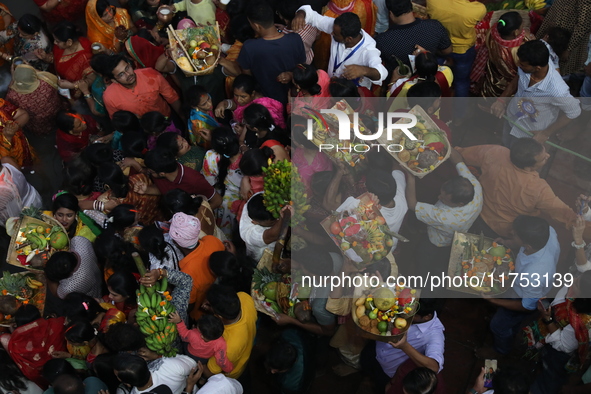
[[443, 220], [220, 384], [563, 340], [252, 235], [172, 373], [365, 52], [395, 215], [15, 193], [548, 97]]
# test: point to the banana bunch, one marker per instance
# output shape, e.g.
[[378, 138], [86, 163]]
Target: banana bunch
[[535, 4], [33, 283], [38, 241], [154, 306], [283, 186]]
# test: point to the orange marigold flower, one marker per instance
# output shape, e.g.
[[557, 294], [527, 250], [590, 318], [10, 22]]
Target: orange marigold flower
[[4, 292], [154, 318], [162, 303]]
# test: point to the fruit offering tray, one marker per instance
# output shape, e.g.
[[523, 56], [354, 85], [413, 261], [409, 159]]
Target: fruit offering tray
[[483, 265], [32, 236], [275, 293], [383, 313], [18, 289], [427, 152], [360, 231], [196, 50], [326, 133]]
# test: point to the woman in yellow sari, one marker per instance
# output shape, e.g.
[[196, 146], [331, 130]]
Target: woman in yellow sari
[[65, 209], [13, 142], [108, 25]]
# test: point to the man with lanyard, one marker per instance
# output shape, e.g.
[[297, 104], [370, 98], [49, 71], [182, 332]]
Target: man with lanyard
[[353, 53], [542, 103]]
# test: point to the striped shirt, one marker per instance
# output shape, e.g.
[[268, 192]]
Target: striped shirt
[[536, 107]]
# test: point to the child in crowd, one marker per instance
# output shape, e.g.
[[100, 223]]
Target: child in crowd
[[190, 156], [155, 124], [201, 119], [205, 341], [122, 121]]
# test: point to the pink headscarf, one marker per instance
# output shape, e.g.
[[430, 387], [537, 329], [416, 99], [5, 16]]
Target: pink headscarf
[[185, 229]]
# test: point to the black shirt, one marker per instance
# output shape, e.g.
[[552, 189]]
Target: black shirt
[[399, 41], [266, 59]]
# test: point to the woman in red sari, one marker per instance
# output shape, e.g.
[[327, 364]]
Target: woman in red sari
[[73, 134], [13, 142], [496, 62], [71, 58], [55, 11], [145, 54], [34, 341]]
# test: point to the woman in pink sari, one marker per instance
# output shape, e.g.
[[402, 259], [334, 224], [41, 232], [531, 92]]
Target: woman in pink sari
[[305, 154], [246, 92], [312, 88]]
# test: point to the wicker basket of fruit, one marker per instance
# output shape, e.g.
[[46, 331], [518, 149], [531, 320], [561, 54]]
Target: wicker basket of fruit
[[360, 231], [18, 289], [383, 313], [32, 234], [483, 265], [275, 293], [196, 50], [424, 154], [325, 131]]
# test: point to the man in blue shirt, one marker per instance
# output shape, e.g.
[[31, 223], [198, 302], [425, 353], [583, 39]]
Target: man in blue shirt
[[535, 266]]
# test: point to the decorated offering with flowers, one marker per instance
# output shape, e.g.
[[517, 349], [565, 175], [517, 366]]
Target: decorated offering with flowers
[[276, 293], [196, 50], [427, 152], [154, 306], [483, 265], [19, 289], [282, 186], [34, 234], [385, 313], [326, 133], [360, 230]]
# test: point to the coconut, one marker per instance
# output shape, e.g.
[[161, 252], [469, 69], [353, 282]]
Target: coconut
[[428, 159], [58, 240]]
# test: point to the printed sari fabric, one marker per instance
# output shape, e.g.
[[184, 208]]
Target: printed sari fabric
[[7, 33], [19, 148], [501, 62], [75, 66], [365, 9], [199, 120], [70, 10], [100, 31], [31, 346]]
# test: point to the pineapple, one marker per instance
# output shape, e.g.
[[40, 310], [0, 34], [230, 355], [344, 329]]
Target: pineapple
[[15, 285], [263, 276], [32, 212]]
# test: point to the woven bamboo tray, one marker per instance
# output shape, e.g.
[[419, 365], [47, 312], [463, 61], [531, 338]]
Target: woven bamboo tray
[[11, 258], [210, 34], [431, 126]]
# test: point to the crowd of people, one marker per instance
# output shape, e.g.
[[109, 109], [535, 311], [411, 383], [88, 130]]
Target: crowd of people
[[171, 166]]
